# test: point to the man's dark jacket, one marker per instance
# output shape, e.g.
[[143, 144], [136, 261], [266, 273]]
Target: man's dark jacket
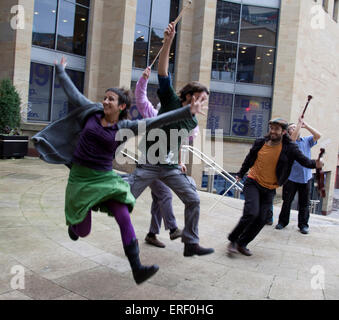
[[289, 153]]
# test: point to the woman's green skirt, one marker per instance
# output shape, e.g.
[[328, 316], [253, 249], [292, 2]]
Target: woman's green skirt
[[88, 189]]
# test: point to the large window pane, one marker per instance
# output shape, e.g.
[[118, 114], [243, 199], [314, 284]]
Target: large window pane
[[152, 29], [143, 12], [140, 47], [61, 106], [224, 61], [160, 13], [157, 35], [227, 21], [83, 2], [72, 28], [40, 89], [251, 116], [174, 10], [219, 112], [259, 25], [255, 65], [44, 22]]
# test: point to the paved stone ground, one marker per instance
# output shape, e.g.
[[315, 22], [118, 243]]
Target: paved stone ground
[[285, 264]]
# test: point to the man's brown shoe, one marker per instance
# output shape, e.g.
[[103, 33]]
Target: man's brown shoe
[[154, 242], [244, 251], [176, 234], [232, 248]]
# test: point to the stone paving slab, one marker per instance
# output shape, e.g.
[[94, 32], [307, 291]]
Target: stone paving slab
[[285, 264]]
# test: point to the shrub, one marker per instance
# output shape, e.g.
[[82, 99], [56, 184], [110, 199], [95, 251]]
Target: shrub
[[9, 107]]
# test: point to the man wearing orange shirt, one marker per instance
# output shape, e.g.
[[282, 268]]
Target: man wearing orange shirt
[[270, 161]]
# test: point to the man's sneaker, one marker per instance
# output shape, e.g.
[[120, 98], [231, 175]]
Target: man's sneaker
[[279, 226], [72, 234], [154, 242], [176, 234], [304, 230], [193, 248], [244, 251]]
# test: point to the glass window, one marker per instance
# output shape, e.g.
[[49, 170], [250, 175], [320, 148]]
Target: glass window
[[72, 28], [61, 106], [44, 22], [40, 93], [157, 36], [251, 116], [40, 90], [227, 21], [255, 65], [82, 2], [224, 61], [140, 47], [143, 12], [219, 112], [152, 18], [259, 25]]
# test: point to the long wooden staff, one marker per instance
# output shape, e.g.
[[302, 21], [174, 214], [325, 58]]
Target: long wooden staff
[[308, 101], [175, 23]]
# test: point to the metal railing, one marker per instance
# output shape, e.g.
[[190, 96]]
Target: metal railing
[[237, 185]]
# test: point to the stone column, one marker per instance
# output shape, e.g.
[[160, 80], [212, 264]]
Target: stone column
[[194, 56], [110, 49], [16, 22]]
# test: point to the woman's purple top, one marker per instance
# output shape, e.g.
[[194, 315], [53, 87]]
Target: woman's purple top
[[96, 145]]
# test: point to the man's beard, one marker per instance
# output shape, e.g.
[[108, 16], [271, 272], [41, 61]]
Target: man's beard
[[276, 138]]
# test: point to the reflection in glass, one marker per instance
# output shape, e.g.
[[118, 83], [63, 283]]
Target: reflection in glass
[[219, 112], [163, 11], [227, 21], [251, 116], [61, 106], [40, 85], [140, 47], [72, 28], [255, 65], [82, 2], [44, 22], [157, 36], [160, 13], [259, 25], [224, 61], [143, 12]]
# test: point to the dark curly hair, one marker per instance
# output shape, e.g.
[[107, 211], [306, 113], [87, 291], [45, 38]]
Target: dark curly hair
[[125, 97], [191, 88]]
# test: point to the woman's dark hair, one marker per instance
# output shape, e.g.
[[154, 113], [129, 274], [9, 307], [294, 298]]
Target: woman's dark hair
[[125, 97], [191, 88]]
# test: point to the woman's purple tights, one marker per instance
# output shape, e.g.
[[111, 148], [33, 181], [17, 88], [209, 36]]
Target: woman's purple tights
[[121, 215]]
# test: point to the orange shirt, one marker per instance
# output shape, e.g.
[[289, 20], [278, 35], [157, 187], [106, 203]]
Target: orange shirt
[[263, 170]]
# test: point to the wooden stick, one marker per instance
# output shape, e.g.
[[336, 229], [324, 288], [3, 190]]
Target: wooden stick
[[175, 23]]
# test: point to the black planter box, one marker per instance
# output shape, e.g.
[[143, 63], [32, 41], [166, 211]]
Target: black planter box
[[13, 146]]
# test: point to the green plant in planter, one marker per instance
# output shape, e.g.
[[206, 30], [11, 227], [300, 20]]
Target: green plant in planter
[[9, 108]]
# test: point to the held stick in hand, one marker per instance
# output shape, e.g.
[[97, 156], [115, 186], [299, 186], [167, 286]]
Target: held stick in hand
[[175, 23]]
